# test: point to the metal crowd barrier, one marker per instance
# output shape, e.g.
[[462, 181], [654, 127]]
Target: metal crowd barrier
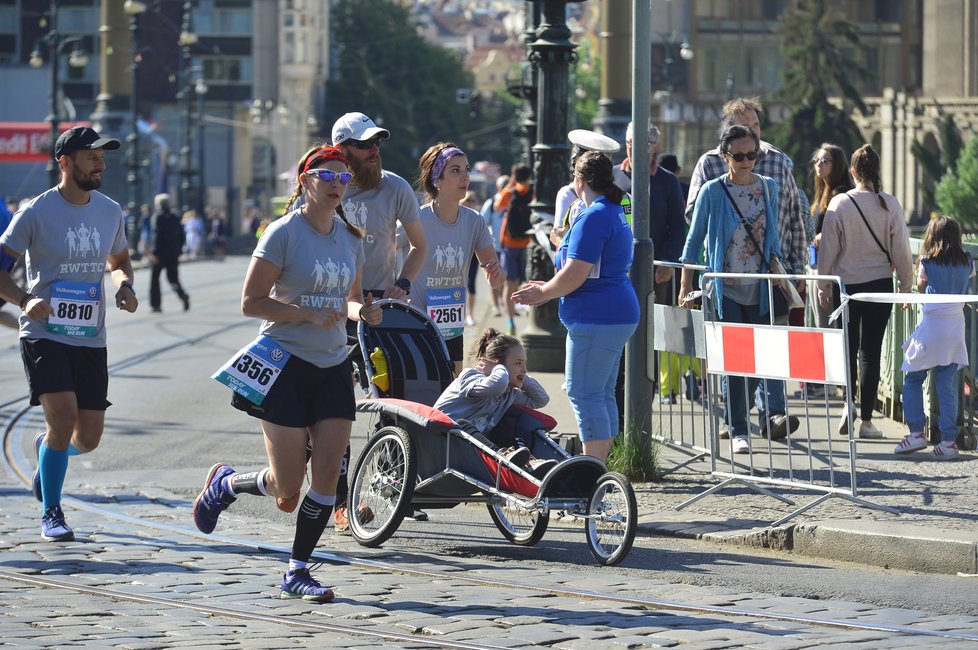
[[677, 339], [813, 457]]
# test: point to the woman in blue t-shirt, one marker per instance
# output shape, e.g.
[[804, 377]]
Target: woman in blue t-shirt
[[598, 305]]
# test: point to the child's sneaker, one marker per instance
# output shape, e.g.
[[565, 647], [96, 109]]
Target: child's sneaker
[[341, 522], [519, 456], [300, 584], [944, 451], [213, 499], [910, 443], [36, 476]]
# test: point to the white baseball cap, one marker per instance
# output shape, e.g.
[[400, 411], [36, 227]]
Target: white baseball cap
[[356, 126]]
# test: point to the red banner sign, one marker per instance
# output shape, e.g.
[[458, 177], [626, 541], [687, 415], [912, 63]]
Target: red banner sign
[[28, 141]]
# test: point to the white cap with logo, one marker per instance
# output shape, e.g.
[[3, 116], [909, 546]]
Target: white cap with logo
[[356, 126]]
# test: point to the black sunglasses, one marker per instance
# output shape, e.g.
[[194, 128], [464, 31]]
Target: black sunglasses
[[740, 156], [364, 145]]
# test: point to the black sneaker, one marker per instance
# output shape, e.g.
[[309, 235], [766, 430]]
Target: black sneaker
[[53, 526], [417, 515], [540, 467], [779, 426]]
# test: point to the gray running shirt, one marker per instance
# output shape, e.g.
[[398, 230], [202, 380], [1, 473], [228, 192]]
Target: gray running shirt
[[317, 271], [450, 247], [66, 242], [377, 211], [483, 400]]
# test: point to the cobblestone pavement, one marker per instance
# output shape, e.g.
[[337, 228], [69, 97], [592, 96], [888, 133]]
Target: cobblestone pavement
[[125, 557]]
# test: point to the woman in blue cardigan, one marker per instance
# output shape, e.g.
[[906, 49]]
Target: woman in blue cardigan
[[730, 248]]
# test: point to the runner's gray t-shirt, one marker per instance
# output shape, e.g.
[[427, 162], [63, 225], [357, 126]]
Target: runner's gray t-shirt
[[317, 271], [66, 246], [376, 212], [439, 290]]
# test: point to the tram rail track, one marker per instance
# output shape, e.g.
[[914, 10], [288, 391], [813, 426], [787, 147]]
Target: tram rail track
[[620, 600]]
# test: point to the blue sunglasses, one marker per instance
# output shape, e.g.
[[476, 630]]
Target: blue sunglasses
[[329, 176]]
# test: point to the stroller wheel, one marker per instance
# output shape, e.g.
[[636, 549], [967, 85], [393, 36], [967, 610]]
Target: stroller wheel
[[612, 519], [383, 484], [521, 526]]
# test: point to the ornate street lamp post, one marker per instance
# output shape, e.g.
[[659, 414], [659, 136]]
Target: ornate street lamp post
[[187, 40], [200, 88], [525, 87], [56, 46], [133, 9], [551, 53]]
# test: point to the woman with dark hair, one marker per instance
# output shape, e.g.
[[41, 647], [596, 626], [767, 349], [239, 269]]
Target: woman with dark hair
[[455, 234], [296, 377], [598, 305], [831, 177], [864, 240], [735, 217]]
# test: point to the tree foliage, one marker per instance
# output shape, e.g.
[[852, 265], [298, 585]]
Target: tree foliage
[[384, 68], [957, 192], [937, 163], [819, 50]]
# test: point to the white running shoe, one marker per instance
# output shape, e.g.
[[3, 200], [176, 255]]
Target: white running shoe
[[740, 445], [844, 419], [944, 451], [868, 431], [911, 443]]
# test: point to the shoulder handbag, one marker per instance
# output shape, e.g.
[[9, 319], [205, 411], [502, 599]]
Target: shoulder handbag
[[870, 228], [787, 298]]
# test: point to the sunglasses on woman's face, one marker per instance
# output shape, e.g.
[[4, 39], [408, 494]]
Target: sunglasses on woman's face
[[329, 176], [365, 145], [823, 161], [740, 156]]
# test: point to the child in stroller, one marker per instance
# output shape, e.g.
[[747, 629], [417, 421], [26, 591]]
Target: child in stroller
[[480, 396]]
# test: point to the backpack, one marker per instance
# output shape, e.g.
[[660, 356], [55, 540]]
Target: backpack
[[518, 218]]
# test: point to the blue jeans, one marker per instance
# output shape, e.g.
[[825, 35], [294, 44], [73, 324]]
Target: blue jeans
[[945, 382], [591, 367], [768, 393]]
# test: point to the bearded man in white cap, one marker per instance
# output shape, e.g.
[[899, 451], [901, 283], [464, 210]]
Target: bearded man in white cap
[[376, 202]]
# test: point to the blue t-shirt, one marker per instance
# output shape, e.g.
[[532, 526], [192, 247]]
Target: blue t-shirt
[[602, 237]]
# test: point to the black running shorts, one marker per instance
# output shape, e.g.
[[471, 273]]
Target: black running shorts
[[456, 350], [305, 394], [54, 367]]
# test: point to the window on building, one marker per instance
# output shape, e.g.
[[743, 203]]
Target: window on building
[[8, 20], [714, 8], [224, 21], [78, 20], [229, 70], [889, 11]]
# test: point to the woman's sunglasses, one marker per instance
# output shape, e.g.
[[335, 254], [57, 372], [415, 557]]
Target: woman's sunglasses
[[740, 156], [329, 176], [824, 161], [364, 145]]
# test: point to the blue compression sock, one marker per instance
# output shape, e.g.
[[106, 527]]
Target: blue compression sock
[[53, 465], [73, 451]]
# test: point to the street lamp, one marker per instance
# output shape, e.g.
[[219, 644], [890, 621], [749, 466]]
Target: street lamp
[[56, 46], [133, 9], [186, 40], [686, 53], [261, 111], [200, 88]]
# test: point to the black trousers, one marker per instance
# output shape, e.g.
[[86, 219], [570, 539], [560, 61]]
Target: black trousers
[[867, 328], [171, 264]]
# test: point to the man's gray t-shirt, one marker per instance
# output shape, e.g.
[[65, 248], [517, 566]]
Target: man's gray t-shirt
[[66, 246], [317, 271], [439, 290], [376, 211]]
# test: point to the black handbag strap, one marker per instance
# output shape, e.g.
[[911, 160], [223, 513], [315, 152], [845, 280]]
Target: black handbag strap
[[760, 251], [870, 228]]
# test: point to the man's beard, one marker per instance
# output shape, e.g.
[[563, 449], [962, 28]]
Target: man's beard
[[366, 175], [88, 184]]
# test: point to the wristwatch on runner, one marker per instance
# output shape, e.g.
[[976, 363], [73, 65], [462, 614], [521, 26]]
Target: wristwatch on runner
[[403, 283]]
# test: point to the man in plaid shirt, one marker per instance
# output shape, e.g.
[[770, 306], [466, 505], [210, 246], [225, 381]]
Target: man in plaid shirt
[[771, 162], [792, 206]]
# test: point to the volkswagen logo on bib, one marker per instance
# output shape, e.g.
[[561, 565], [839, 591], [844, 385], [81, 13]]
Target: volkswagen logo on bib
[[277, 354], [93, 291]]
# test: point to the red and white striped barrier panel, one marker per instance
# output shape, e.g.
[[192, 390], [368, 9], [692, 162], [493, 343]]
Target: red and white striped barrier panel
[[773, 352]]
